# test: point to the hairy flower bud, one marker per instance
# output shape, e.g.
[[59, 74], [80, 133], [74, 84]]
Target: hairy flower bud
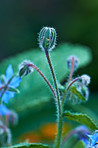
[[24, 68], [85, 79], [73, 98], [47, 38], [70, 59]]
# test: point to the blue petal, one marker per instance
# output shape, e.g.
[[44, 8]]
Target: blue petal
[[85, 141], [15, 82], [0, 84], [9, 72], [93, 138], [3, 110], [7, 95]]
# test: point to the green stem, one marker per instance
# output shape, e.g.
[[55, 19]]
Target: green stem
[[59, 130], [59, 108]]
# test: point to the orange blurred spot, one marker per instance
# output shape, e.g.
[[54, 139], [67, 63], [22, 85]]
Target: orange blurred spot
[[49, 130], [32, 137]]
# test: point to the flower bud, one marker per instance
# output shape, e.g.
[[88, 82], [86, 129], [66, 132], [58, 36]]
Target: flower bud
[[85, 79], [70, 59], [74, 99], [24, 68], [47, 38]]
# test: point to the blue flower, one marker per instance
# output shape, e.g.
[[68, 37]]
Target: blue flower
[[10, 82], [4, 110], [93, 138], [82, 132]]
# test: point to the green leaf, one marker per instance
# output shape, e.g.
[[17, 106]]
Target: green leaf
[[33, 90], [77, 93], [13, 89], [31, 145], [82, 119], [87, 108], [79, 144]]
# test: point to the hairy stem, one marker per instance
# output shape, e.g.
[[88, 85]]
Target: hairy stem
[[72, 69], [76, 79], [50, 86], [52, 71], [59, 109]]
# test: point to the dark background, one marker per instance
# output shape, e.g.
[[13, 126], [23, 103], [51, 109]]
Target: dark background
[[75, 21]]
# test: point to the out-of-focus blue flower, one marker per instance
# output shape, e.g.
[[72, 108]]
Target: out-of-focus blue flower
[[93, 138], [4, 110], [9, 81], [82, 132]]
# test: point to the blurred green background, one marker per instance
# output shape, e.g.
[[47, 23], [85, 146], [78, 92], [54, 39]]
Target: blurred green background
[[75, 21]]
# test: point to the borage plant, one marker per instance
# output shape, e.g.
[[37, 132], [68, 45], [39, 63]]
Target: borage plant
[[74, 91]]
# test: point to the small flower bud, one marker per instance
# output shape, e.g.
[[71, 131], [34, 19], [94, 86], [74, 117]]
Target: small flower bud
[[85, 79], [70, 59], [73, 98], [47, 38], [24, 68]]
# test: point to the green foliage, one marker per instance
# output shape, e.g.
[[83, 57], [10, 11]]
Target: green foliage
[[79, 144], [13, 89], [33, 90], [89, 108], [31, 145], [77, 93], [82, 119]]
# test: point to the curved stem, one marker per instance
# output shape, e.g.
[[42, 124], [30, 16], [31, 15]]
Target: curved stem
[[59, 108], [37, 69], [2, 87], [76, 79]]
